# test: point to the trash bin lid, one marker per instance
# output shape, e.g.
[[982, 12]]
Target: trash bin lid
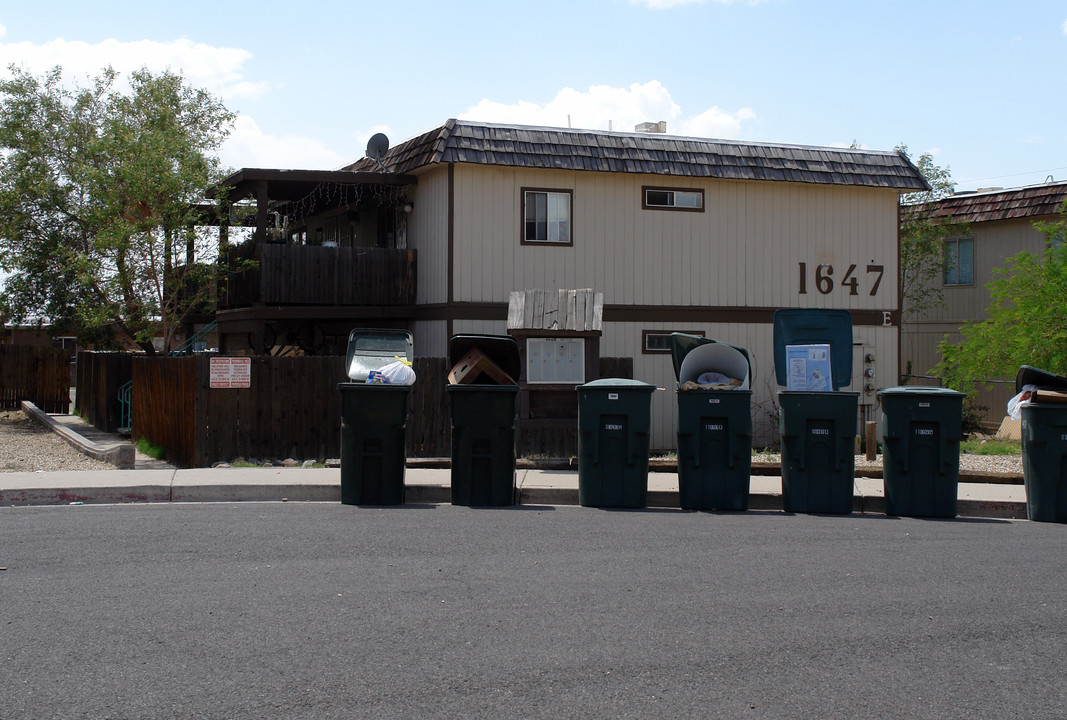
[[1042, 378], [920, 390], [617, 384], [814, 326], [693, 355], [501, 349], [374, 348]]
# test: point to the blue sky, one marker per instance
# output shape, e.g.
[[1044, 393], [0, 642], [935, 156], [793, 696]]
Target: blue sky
[[978, 84]]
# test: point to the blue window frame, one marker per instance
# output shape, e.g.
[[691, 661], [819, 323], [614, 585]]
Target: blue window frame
[[959, 261]]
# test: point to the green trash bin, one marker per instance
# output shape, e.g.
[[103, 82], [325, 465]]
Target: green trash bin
[[714, 426], [1044, 441], [921, 430], [373, 420], [614, 419], [817, 421], [483, 425]]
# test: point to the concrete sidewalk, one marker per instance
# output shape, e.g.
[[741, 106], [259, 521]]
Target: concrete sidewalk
[[155, 481], [424, 485]]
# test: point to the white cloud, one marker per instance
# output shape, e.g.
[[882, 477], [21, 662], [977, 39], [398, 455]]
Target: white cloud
[[716, 123], [3, 31], [249, 146], [217, 69], [1065, 27], [623, 107]]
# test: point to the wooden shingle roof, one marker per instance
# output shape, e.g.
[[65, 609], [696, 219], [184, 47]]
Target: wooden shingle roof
[[462, 141], [1024, 202]]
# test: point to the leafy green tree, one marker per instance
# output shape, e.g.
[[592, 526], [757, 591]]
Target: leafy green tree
[[1026, 322], [922, 239], [98, 195]]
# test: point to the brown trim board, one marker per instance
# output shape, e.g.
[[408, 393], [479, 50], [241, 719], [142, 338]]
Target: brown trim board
[[660, 313], [452, 241]]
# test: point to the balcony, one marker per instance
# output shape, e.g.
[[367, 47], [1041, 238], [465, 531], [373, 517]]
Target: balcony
[[313, 275]]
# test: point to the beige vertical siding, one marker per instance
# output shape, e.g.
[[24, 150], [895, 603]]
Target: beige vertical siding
[[994, 243], [744, 250], [428, 234]]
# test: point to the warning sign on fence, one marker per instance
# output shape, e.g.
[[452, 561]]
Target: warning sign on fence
[[231, 372]]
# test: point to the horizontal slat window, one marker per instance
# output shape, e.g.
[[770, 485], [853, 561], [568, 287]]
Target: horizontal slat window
[[660, 198]]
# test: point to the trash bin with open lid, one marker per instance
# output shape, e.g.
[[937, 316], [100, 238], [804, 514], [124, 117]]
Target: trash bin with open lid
[[614, 419], [1044, 444], [373, 420], [921, 432], [813, 360], [482, 393], [714, 425]]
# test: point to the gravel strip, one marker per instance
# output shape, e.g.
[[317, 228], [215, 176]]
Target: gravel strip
[[26, 446], [968, 462]]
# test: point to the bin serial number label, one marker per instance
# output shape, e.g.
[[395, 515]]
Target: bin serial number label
[[820, 431], [823, 279], [713, 427], [923, 431], [612, 426]]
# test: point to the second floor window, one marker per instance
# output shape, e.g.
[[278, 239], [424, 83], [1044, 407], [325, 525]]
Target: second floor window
[[672, 199], [547, 216], [959, 261]]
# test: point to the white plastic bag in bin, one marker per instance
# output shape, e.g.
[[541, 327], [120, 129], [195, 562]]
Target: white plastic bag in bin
[[398, 372]]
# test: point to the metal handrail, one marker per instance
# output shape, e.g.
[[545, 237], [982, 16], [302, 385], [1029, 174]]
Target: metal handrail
[[186, 348], [125, 400]]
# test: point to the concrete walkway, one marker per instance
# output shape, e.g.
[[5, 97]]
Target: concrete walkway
[[426, 482]]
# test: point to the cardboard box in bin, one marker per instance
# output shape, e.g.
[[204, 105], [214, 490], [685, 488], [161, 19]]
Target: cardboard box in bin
[[473, 366]]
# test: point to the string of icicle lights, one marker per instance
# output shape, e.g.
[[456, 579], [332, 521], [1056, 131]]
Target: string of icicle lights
[[327, 196]]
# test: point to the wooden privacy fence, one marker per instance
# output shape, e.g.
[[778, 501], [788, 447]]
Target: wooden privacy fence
[[561, 439], [291, 409], [38, 374], [98, 379]]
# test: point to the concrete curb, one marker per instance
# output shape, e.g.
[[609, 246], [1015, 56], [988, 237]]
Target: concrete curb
[[122, 456], [195, 491]]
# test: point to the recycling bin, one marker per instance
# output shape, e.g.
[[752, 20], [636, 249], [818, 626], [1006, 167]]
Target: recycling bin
[[714, 426], [817, 420], [483, 422], [921, 430], [373, 420], [1044, 445], [614, 419]]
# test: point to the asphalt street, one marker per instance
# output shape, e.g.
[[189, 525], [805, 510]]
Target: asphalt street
[[318, 610]]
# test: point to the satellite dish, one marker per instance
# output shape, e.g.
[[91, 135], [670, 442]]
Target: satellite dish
[[377, 146]]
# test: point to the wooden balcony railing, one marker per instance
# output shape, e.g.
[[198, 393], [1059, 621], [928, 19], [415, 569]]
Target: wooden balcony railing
[[310, 275]]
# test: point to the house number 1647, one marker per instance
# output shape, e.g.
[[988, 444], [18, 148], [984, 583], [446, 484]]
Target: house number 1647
[[824, 278]]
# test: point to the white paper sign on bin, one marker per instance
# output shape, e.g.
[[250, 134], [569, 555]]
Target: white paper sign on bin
[[809, 368]]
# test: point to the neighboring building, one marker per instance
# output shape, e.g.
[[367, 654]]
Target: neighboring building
[[675, 234], [1000, 225]]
